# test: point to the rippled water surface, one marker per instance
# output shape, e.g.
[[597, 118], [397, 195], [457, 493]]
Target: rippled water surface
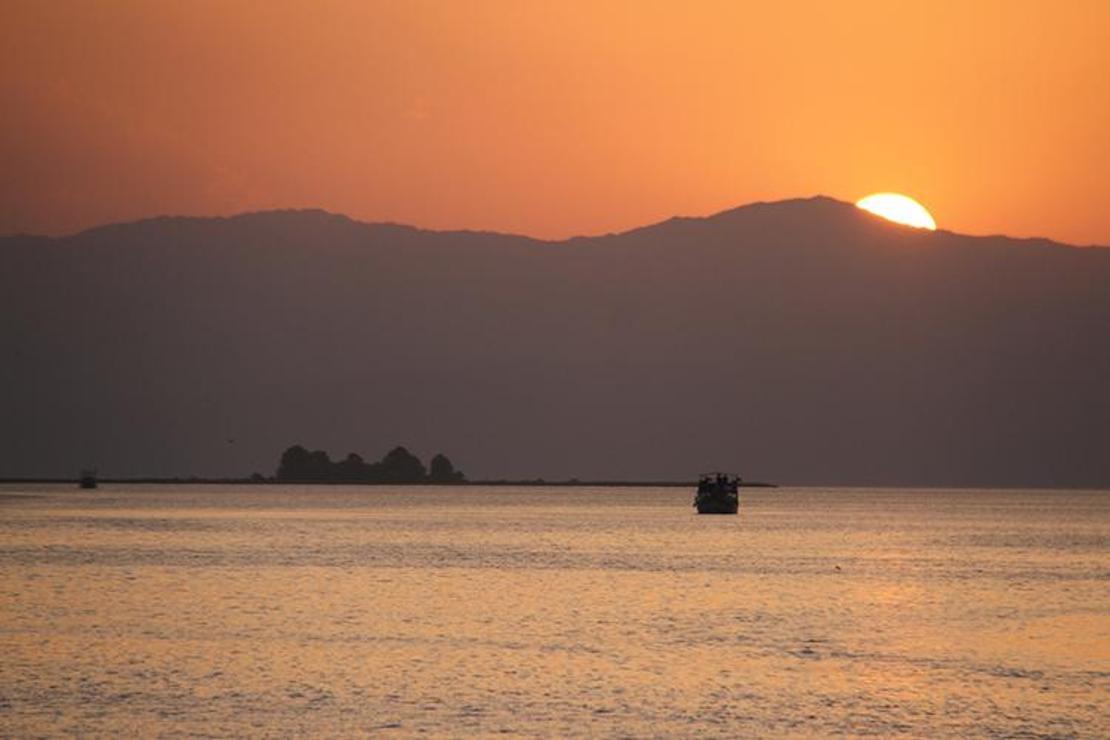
[[343, 611]]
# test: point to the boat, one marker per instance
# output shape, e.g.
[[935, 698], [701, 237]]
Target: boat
[[87, 479], [718, 493]]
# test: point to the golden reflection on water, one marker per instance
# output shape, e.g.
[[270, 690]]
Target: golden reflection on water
[[340, 611]]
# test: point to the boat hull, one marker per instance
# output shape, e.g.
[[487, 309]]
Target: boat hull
[[717, 505]]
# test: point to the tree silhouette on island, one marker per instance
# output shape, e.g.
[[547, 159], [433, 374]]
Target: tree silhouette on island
[[299, 465]]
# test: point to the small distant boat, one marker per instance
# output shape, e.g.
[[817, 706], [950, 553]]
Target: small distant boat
[[718, 493], [87, 479]]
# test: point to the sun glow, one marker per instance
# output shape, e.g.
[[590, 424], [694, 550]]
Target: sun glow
[[898, 208]]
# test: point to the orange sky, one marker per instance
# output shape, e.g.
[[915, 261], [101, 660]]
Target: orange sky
[[554, 118]]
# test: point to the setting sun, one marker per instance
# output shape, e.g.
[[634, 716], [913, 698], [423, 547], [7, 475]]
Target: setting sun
[[898, 208]]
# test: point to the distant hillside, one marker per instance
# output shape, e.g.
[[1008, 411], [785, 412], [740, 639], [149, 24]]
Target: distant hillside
[[803, 341]]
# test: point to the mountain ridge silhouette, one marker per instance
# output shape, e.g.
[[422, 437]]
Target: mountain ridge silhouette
[[802, 341], [322, 214]]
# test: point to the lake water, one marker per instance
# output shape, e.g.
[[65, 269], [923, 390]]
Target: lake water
[[552, 611]]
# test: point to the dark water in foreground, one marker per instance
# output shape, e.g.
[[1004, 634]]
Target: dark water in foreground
[[345, 611]]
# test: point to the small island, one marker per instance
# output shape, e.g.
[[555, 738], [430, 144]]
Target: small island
[[299, 465]]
